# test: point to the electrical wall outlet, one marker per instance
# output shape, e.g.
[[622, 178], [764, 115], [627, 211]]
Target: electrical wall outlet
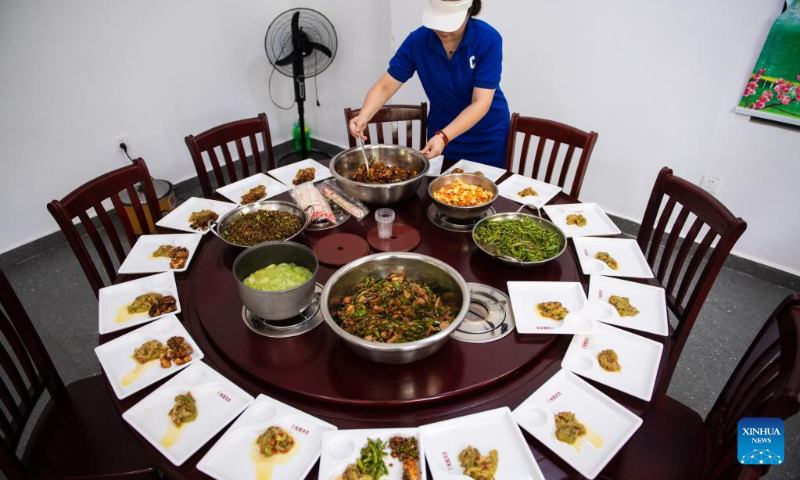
[[710, 184], [119, 140]]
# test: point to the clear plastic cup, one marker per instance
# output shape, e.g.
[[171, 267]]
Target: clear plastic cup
[[385, 219]]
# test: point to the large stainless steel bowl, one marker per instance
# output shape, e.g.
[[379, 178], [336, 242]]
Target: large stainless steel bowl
[[275, 205], [344, 165], [546, 224], [463, 213], [285, 304], [443, 280]]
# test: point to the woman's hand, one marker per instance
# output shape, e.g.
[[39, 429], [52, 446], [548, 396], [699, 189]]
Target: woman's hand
[[434, 147], [357, 126]]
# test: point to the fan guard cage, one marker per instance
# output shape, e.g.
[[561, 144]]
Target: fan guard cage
[[278, 41]]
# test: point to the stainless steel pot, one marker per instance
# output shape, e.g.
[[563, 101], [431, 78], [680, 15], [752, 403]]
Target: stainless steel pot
[[546, 224], [463, 213], [345, 164], [281, 305], [217, 227], [442, 278]]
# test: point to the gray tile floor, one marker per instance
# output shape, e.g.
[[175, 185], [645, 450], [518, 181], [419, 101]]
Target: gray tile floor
[[58, 298]]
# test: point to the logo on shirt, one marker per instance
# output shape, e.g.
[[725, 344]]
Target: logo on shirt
[[760, 441], [472, 62]]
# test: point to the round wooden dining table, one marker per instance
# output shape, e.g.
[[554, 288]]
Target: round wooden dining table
[[317, 373]]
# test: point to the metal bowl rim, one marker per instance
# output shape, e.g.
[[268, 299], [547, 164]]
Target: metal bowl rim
[[343, 179], [512, 216], [395, 347], [313, 276], [239, 208]]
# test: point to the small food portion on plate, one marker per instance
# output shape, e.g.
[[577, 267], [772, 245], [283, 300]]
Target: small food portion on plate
[[609, 361], [249, 229], [379, 173], [370, 465], [477, 466], [524, 239], [278, 277], [177, 255], [184, 410], [460, 194], [274, 441], [176, 350], [576, 219], [199, 220], [607, 259], [552, 310], [305, 175], [149, 351], [623, 306], [568, 428], [155, 304], [406, 449], [527, 192], [393, 309], [254, 194]]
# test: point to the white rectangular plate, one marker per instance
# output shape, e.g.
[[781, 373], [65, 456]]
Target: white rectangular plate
[[486, 431], [490, 172], [343, 447], [639, 358], [435, 168], [514, 184], [624, 250], [602, 416], [235, 456], [597, 222], [140, 259], [178, 219], [649, 300], [113, 301], [234, 191], [526, 295], [126, 375], [287, 173], [219, 401]]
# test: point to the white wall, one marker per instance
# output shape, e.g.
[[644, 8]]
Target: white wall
[[659, 81]]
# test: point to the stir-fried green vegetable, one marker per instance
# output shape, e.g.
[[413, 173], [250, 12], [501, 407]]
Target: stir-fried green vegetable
[[371, 460], [523, 239], [393, 310], [261, 226]]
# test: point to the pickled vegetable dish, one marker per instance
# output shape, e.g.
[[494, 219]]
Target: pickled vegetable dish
[[393, 310], [477, 466], [568, 428], [261, 226], [184, 410], [278, 277], [609, 361], [524, 239], [623, 306], [274, 441]]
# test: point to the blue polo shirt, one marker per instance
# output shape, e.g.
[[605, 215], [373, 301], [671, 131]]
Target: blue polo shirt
[[477, 62]]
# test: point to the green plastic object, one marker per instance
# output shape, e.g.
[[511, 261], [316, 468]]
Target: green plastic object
[[296, 135]]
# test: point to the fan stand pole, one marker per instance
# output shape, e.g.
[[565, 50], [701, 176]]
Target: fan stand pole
[[300, 95]]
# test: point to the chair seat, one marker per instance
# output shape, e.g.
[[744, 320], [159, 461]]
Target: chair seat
[[671, 443], [82, 434]]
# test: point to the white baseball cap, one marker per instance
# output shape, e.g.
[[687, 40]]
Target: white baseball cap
[[445, 16]]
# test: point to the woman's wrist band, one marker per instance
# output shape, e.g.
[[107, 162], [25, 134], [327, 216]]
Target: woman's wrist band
[[444, 136]]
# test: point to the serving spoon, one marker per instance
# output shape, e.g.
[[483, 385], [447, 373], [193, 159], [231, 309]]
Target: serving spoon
[[364, 152]]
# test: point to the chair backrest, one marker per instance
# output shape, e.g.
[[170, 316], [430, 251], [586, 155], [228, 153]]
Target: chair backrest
[[220, 138], [91, 196], [27, 372], [766, 383], [684, 276], [393, 114], [559, 134]]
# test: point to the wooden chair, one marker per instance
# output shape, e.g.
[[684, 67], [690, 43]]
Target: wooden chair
[[219, 138], [674, 442], [91, 196], [393, 114], [558, 133], [689, 280], [80, 434]]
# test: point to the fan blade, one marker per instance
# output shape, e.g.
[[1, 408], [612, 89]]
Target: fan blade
[[322, 48], [296, 29], [287, 60]]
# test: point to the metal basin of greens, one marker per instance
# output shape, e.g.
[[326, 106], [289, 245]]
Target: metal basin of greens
[[272, 207], [519, 239]]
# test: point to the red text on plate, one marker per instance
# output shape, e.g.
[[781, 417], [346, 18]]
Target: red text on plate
[[300, 429], [447, 460], [585, 342], [224, 397], [553, 398]]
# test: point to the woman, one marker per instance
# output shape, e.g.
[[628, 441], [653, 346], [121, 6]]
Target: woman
[[459, 60]]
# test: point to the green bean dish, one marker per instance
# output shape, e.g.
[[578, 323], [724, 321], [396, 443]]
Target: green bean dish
[[393, 310], [524, 239]]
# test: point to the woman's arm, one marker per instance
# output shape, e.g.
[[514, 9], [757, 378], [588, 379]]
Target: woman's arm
[[481, 103], [377, 96]]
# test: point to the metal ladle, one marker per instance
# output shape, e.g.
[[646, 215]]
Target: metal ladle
[[364, 152]]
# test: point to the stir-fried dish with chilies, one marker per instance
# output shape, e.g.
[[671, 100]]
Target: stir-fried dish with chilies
[[393, 310]]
